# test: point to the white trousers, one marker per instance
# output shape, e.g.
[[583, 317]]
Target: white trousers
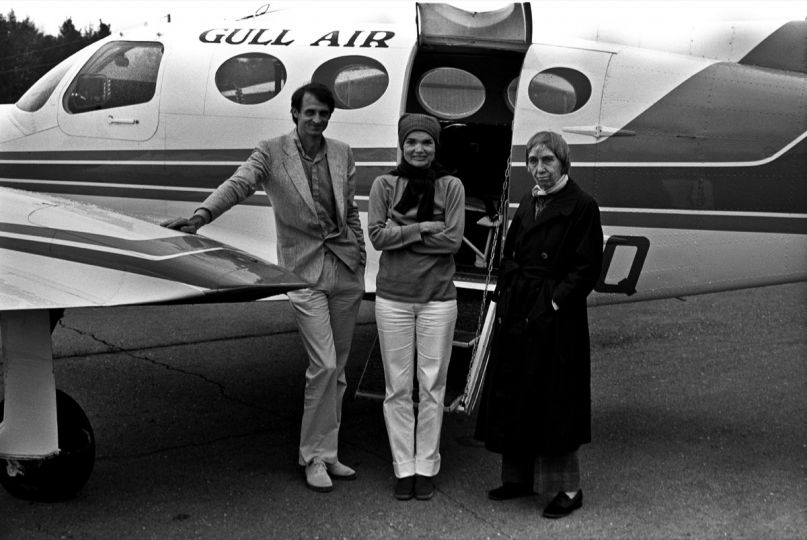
[[402, 328], [326, 317]]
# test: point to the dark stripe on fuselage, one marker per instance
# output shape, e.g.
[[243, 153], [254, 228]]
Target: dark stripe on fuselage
[[201, 155], [705, 222], [738, 115], [725, 113], [695, 190], [784, 49], [779, 186]]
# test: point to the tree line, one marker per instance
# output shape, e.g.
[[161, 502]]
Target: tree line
[[26, 53]]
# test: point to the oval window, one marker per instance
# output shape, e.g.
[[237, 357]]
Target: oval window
[[451, 93], [357, 81], [251, 78], [559, 90], [511, 93]]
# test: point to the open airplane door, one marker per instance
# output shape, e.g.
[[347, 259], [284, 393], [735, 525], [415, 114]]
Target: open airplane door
[[464, 72]]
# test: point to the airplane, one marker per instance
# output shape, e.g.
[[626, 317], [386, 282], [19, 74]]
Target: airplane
[[690, 136]]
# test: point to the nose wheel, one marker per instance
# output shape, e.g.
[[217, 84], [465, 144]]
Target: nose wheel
[[59, 477]]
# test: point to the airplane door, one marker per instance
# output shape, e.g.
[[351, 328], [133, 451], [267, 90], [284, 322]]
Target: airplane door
[[114, 95], [560, 89], [464, 73]]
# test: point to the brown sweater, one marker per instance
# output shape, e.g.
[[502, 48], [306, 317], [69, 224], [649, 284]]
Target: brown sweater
[[415, 268]]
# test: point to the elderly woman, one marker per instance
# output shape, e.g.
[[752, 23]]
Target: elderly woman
[[536, 404], [416, 220]]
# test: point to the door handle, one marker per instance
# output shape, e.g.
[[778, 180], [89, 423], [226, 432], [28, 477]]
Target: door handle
[[131, 121]]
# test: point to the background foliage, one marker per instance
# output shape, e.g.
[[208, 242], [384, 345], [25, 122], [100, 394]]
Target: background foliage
[[26, 53]]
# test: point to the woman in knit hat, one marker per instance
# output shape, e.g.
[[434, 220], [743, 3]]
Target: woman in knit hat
[[416, 221]]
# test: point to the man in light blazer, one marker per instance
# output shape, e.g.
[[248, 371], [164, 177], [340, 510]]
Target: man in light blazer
[[309, 182]]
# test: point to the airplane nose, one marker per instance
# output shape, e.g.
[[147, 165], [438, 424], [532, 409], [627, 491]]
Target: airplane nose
[[8, 130]]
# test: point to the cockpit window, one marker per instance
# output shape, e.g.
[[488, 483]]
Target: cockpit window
[[559, 90], [36, 96], [251, 78], [451, 93], [357, 81], [118, 74]]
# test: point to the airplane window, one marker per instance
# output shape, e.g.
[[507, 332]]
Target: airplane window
[[511, 93], [251, 78], [357, 81], [120, 73], [559, 90], [451, 93], [36, 96]]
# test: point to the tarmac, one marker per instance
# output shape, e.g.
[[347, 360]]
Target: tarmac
[[699, 431]]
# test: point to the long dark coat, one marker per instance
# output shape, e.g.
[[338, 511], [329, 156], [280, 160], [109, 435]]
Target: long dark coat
[[537, 394]]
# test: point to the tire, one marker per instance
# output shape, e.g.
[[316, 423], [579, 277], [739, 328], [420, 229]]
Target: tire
[[60, 477]]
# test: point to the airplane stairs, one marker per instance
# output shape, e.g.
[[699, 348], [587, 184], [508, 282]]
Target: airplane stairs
[[465, 371]]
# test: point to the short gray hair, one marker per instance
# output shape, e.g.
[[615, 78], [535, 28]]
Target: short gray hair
[[556, 144]]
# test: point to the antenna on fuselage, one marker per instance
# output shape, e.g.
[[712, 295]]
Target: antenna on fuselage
[[262, 10]]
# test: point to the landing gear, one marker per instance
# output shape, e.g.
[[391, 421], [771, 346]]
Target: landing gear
[[61, 476]]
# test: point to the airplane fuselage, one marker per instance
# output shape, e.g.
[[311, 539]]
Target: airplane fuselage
[[693, 142]]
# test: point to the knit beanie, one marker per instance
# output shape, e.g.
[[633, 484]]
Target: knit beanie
[[418, 122]]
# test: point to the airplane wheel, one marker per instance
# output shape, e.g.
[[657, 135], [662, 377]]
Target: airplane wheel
[[60, 477]]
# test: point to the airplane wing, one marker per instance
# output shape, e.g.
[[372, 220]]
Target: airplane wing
[[57, 253]]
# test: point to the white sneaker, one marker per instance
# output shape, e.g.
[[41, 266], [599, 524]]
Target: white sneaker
[[316, 477], [340, 471]]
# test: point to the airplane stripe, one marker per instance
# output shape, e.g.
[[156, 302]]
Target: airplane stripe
[[706, 222], [653, 218], [106, 249], [685, 219], [521, 150], [207, 156], [775, 188], [33, 182], [204, 270], [157, 249], [785, 49], [700, 212]]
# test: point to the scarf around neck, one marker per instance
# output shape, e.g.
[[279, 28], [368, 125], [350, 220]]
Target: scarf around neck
[[560, 184], [419, 189], [541, 197]]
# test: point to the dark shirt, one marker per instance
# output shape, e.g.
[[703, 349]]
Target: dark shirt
[[319, 180]]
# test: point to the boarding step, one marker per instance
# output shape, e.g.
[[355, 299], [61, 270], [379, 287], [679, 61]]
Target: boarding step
[[372, 385], [459, 384]]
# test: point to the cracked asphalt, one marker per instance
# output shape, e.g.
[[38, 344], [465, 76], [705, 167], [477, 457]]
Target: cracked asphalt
[[699, 427]]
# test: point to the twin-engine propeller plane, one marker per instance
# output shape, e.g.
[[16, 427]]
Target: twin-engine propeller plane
[[691, 137]]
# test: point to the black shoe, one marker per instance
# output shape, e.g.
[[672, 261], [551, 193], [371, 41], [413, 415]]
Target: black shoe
[[405, 488], [509, 491], [424, 487], [562, 505]]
